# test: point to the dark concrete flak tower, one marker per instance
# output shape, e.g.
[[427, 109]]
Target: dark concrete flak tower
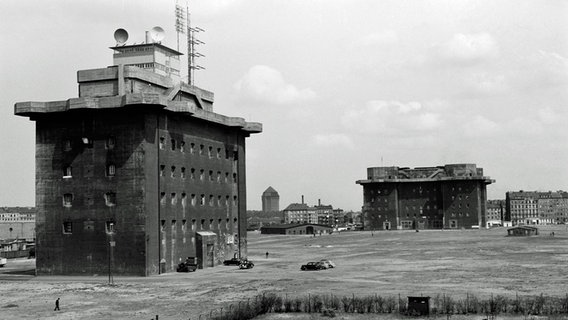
[[137, 173], [452, 196]]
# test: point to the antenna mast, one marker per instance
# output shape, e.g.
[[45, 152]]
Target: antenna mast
[[192, 41], [180, 22]]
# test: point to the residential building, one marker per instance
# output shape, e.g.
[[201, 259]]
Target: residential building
[[139, 172], [17, 223], [535, 207], [451, 196], [300, 213], [495, 213]]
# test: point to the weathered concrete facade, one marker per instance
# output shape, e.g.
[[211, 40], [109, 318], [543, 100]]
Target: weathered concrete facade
[[451, 196], [140, 170]]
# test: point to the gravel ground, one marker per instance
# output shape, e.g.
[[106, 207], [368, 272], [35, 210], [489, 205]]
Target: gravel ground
[[456, 263]]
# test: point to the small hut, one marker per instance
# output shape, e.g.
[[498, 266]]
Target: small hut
[[522, 231]]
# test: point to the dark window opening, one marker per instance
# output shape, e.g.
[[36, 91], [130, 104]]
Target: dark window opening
[[67, 199], [110, 226], [67, 227], [110, 199], [110, 143]]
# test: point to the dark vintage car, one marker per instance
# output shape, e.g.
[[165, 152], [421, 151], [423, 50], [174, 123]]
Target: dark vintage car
[[246, 264], [189, 265], [313, 266], [233, 261]]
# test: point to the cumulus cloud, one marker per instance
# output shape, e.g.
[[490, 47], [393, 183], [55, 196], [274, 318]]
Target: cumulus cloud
[[267, 85], [332, 140], [469, 48], [484, 83], [391, 117]]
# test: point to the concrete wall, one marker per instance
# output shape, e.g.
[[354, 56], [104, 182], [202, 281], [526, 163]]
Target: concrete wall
[[86, 249], [17, 230]]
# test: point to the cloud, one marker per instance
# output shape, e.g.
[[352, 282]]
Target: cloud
[[466, 49], [386, 37], [484, 83], [480, 126], [332, 140], [541, 70], [391, 118], [267, 85]]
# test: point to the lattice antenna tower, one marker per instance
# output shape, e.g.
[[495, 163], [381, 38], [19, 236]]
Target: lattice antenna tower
[[192, 53], [180, 22]]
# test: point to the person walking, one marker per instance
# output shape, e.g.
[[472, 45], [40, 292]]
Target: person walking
[[266, 254], [56, 305]]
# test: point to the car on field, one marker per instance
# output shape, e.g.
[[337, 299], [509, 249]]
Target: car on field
[[246, 264], [313, 266], [328, 263], [3, 261], [233, 262]]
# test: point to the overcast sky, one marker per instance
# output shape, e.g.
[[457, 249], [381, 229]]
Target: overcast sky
[[339, 85]]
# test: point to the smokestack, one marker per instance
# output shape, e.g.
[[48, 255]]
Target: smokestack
[[302, 199], [148, 37], [319, 202]]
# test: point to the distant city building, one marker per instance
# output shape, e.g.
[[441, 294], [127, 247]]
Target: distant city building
[[270, 200], [450, 196], [17, 223], [300, 213], [138, 164], [319, 214], [325, 214], [495, 212], [534, 207]]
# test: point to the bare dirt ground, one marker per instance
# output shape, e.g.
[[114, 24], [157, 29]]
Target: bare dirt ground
[[478, 262]]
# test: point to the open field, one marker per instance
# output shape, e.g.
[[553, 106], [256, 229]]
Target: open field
[[478, 262]]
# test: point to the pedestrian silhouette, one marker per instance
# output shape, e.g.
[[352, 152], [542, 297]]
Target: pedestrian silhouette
[[266, 254], [56, 305]]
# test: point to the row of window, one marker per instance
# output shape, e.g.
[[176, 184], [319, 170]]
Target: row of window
[[210, 151], [210, 223], [110, 225], [110, 143], [110, 199], [193, 172], [201, 200], [89, 225], [110, 171]]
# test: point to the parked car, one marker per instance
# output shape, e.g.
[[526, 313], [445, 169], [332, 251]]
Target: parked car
[[233, 261], [189, 265], [3, 261], [246, 264], [327, 262], [313, 266]]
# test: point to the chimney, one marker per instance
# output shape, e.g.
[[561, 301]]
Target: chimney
[[148, 37], [319, 202], [302, 199]]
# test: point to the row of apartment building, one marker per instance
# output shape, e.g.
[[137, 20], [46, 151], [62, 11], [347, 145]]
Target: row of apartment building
[[317, 214]]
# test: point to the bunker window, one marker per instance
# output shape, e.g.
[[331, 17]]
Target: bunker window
[[67, 227]]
